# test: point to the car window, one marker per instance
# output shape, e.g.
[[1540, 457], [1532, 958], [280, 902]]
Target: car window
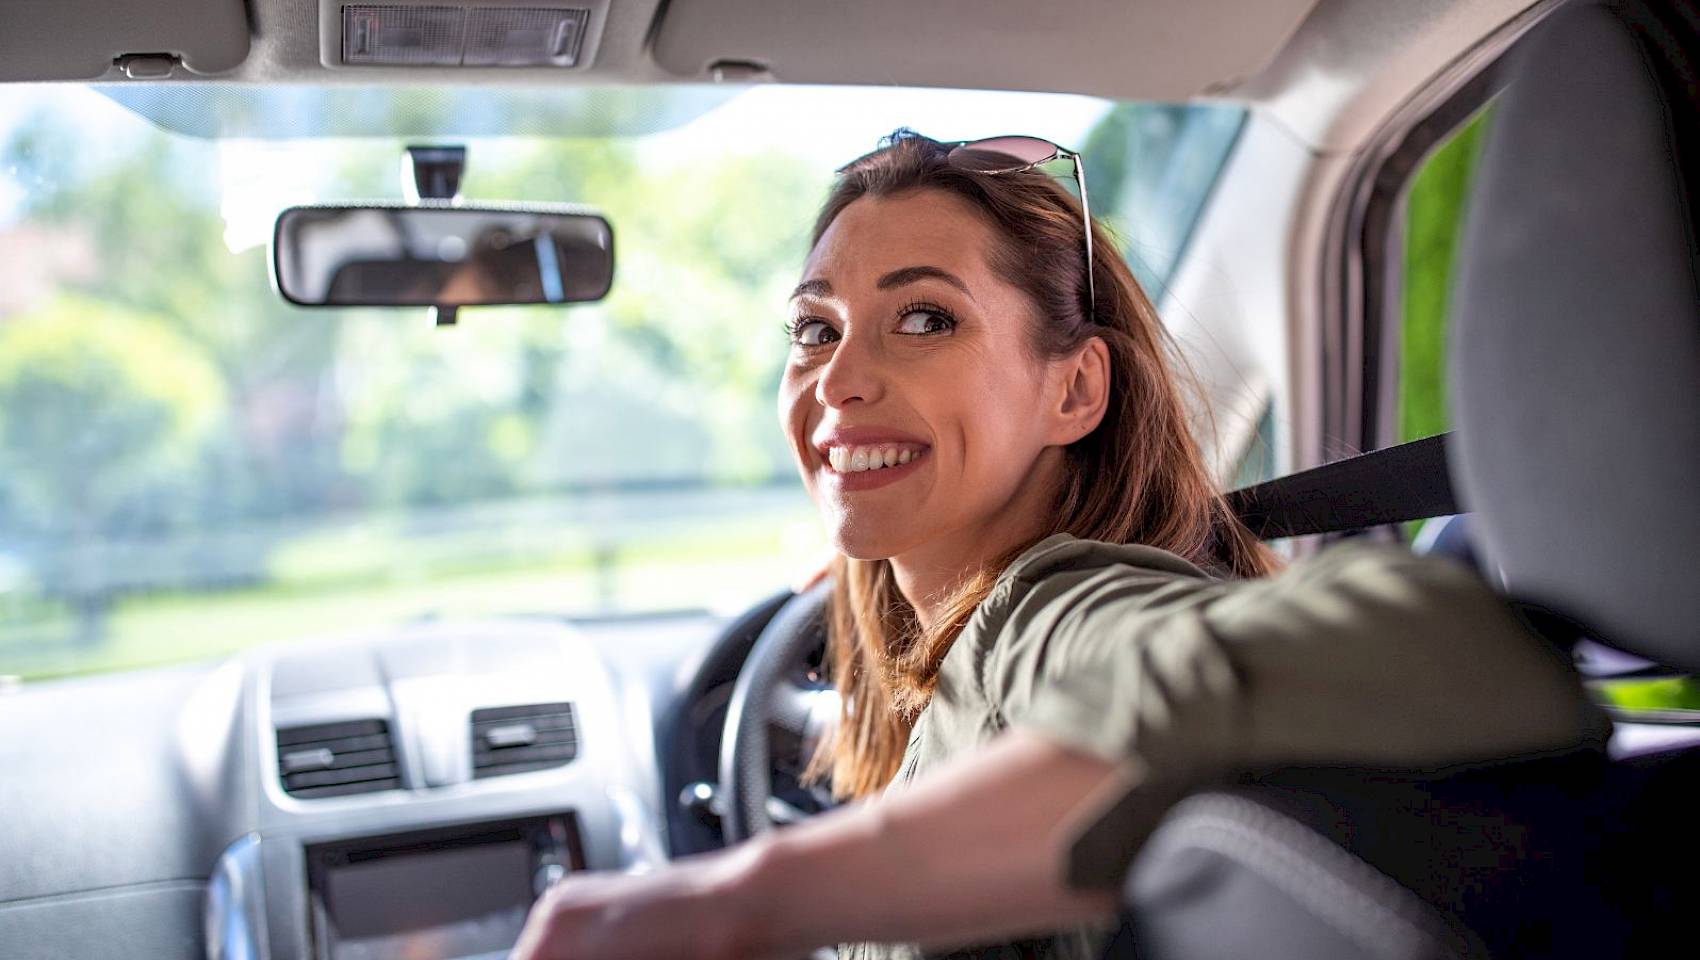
[[1150, 168], [189, 465], [1256, 461], [1434, 214]]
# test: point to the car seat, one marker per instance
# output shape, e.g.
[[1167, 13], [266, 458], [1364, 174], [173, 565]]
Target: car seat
[[1575, 371]]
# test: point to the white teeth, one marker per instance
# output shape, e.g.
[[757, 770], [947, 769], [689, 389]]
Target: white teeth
[[858, 459]]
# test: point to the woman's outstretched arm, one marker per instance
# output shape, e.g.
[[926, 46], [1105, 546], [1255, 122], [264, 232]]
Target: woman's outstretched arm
[[1133, 689], [970, 854]]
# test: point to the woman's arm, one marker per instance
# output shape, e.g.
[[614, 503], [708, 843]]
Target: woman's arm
[[969, 854], [1362, 655], [1357, 656]]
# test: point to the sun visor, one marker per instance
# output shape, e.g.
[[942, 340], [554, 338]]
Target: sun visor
[[1138, 49], [86, 39]]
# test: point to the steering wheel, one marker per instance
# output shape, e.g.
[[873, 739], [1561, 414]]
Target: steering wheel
[[772, 694]]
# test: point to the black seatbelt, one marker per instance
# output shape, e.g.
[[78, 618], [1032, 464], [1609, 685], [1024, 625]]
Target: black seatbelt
[[1391, 485]]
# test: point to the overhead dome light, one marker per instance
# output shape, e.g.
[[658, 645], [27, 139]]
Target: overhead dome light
[[523, 37], [403, 36], [447, 36]]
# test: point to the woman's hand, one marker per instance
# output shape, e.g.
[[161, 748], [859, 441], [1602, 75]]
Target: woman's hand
[[691, 909]]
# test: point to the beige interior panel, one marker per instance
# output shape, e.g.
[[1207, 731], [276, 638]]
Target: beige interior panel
[[80, 39], [1134, 49]]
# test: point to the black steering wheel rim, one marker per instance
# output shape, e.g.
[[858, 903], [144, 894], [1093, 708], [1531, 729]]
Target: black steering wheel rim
[[763, 695]]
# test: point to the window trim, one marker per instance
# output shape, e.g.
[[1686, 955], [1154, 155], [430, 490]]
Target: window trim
[[1362, 265]]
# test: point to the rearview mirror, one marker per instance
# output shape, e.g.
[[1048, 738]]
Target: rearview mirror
[[441, 256]]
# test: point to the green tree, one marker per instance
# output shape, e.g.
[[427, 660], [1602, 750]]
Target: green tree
[[154, 222], [101, 410]]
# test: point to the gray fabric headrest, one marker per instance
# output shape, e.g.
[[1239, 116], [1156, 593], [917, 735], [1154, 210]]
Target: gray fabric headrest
[[1575, 357]]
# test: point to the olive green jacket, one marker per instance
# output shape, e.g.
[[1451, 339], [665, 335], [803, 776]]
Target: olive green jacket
[[1361, 655]]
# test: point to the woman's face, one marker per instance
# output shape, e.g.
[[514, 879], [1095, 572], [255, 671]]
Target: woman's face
[[918, 416]]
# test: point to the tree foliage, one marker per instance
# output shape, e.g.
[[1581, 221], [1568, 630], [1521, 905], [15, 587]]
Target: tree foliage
[[170, 392], [99, 407]]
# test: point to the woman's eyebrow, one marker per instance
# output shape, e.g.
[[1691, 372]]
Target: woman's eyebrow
[[812, 288], [896, 278], [907, 275]]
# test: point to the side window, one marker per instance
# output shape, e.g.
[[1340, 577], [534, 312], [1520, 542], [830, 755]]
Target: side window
[[1256, 461], [1434, 216], [1149, 171]]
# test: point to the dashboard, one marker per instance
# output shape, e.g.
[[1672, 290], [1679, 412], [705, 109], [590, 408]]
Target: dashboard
[[399, 793]]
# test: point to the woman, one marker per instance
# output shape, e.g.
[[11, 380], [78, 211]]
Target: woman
[[1044, 616]]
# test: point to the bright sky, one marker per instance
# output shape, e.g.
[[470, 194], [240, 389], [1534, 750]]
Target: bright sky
[[833, 125], [824, 125]]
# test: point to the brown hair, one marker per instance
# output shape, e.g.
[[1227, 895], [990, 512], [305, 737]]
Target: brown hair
[[1138, 478]]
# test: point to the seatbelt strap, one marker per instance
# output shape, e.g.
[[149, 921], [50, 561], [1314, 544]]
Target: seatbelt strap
[[1391, 485]]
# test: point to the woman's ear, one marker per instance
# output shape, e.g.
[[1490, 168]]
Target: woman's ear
[[1083, 391]]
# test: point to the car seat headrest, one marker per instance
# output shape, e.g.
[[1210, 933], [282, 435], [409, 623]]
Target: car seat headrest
[[1575, 355]]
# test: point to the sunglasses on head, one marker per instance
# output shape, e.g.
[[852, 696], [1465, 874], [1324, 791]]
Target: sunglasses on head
[[1018, 154]]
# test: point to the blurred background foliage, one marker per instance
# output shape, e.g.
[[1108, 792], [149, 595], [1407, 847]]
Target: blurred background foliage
[[174, 437], [1434, 215]]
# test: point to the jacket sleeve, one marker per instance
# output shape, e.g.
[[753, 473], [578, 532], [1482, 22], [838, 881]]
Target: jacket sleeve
[[1362, 655]]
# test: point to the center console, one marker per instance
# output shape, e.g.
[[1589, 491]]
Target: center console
[[418, 791], [457, 893]]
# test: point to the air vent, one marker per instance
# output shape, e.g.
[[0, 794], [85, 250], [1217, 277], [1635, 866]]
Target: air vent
[[516, 739], [336, 759]]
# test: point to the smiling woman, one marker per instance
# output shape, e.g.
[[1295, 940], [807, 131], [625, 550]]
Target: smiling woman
[[1047, 615], [986, 353]]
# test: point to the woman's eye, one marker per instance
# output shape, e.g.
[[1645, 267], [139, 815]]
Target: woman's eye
[[917, 322], [812, 333]]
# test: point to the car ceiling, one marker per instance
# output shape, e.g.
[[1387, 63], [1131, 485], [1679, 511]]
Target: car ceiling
[[1308, 61]]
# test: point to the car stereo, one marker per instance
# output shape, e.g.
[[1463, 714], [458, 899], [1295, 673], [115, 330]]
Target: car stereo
[[459, 893]]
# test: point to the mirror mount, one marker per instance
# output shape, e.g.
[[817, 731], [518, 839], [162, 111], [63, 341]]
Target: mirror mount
[[432, 173]]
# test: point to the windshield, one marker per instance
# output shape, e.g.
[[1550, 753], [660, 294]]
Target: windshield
[[190, 466]]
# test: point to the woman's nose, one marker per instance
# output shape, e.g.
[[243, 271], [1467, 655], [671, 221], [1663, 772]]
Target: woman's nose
[[851, 375]]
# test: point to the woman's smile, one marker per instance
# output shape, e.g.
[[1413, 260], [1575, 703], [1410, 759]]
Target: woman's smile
[[864, 458]]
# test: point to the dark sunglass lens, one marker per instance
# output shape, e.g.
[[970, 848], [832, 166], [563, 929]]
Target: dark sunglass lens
[[1002, 153]]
